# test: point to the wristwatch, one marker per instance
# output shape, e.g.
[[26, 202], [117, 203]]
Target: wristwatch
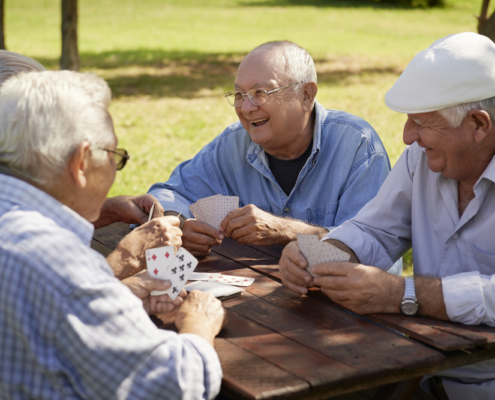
[[409, 305]]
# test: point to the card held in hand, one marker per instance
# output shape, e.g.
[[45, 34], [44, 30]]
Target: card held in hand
[[178, 273], [221, 291], [158, 260], [212, 210], [317, 252]]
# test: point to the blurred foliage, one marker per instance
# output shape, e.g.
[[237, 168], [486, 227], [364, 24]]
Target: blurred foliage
[[414, 3]]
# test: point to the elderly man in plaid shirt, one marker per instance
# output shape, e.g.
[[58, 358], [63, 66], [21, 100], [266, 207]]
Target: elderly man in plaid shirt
[[68, 327]]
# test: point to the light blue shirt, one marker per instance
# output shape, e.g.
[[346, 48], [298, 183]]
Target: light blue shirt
[[347, 166], [68, 328]]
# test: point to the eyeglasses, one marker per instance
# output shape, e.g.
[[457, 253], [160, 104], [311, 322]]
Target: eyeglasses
[[257, 97], [121, 156]]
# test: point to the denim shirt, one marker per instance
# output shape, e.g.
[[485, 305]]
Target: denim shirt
[[347, 166]]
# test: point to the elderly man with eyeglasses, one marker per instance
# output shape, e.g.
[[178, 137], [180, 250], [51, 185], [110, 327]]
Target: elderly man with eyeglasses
[[126, 260], [68, 327], [296, 167]]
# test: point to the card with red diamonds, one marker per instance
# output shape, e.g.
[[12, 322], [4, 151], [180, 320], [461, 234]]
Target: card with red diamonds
[[158, 260], [178, 273]]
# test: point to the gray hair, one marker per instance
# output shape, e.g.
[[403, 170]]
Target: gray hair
[[45, 116], [456, 114], [299, 65], [13, 63]]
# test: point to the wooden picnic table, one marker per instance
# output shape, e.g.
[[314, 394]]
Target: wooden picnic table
[[278, 344]]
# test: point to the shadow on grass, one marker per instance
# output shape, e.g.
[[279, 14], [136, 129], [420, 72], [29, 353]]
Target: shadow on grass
[[160, 73], [381, 4]]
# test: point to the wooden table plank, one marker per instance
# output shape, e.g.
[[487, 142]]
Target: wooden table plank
[[246, 376], [429, 334], [482, 335], [111, 235]]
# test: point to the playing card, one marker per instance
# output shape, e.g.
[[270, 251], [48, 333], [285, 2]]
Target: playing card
[[317, 252], [212, 210], [233, 280], [178, 273], [203, 276], [219, 290], [158, 260]]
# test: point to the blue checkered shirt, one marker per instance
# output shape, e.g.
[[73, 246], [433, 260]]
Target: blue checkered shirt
[[68, 328]]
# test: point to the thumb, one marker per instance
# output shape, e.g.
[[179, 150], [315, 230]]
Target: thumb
[[157, 284]]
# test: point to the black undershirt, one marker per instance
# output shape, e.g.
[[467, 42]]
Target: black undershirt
[[286, 172]]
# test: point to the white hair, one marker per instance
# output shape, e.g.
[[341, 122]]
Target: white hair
[[299, 65], [45, 116], [456, 114], [13, 63]]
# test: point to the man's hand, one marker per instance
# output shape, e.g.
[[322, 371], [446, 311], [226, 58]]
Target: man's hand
[[142, 285], [128, 258], [128, 209], [250, 225], [198, 237], [292, 269], [202, 314], [359, 288]]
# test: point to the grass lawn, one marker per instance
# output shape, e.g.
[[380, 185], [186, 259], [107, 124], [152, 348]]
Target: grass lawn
[[170, 62]]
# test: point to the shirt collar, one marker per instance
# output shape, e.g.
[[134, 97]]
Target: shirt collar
[[489, 172], [27, 196], [255, 150]]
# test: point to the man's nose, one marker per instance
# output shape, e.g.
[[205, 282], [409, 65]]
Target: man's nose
[[410, 134], [247, 106]]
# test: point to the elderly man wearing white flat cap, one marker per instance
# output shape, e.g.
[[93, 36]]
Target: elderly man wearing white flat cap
[[439, 198]]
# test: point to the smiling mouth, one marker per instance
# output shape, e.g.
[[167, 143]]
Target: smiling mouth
[[259, 122]]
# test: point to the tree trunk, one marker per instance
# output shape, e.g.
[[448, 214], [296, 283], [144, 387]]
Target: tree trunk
[[2, 28], [488, 28], [70, 54], [484, 15]]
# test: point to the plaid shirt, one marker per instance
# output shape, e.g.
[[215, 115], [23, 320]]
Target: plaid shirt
[[68, 328]]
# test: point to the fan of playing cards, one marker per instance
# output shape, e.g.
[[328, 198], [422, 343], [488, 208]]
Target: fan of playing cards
[[164, 264], [317, 252], [212, 210]]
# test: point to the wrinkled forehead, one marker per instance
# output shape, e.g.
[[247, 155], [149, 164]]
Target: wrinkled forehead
[[262, 68]]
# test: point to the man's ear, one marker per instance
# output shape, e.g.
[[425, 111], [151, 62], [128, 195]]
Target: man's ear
[[309, 93], [482, 124], [79, 164]]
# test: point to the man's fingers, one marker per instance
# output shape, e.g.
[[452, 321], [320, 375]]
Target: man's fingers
[[170, 219], [200, 238], [200, 227], [231, 215], [332, 282], [333, 268]]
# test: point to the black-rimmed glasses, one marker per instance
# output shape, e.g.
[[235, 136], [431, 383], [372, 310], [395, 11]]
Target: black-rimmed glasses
[[121, 156], [257, 97]]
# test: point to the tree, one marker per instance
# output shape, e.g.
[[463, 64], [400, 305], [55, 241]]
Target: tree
[[2, 34], [70, 53], [486, 26]]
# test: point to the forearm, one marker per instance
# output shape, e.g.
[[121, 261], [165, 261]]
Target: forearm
[[199, 328], [430, 298], [124, 263], [291, 227]]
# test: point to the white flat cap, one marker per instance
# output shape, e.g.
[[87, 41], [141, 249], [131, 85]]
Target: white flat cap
[[454, 70]]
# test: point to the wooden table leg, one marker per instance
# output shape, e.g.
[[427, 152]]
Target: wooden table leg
[[402, 390]]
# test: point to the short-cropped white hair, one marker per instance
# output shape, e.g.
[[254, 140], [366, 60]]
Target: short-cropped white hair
[[456, 114], [45, 116], [13, 63], [299, 65]]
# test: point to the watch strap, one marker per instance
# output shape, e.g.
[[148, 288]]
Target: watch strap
[[410, 291]]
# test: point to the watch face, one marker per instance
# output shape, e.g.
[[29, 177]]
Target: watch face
[[409, 307]]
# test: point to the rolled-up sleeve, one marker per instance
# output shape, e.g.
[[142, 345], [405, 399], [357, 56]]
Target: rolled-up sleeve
[[469, 298], [381, 232]]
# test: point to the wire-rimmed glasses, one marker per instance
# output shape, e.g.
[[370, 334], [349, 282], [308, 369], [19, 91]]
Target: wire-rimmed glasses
[[121, 156], [257, 97]]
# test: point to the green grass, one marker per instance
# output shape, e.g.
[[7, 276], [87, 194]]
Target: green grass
[[170, 62]]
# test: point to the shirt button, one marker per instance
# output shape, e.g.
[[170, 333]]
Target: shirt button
[[455, 236], [286, 211]]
